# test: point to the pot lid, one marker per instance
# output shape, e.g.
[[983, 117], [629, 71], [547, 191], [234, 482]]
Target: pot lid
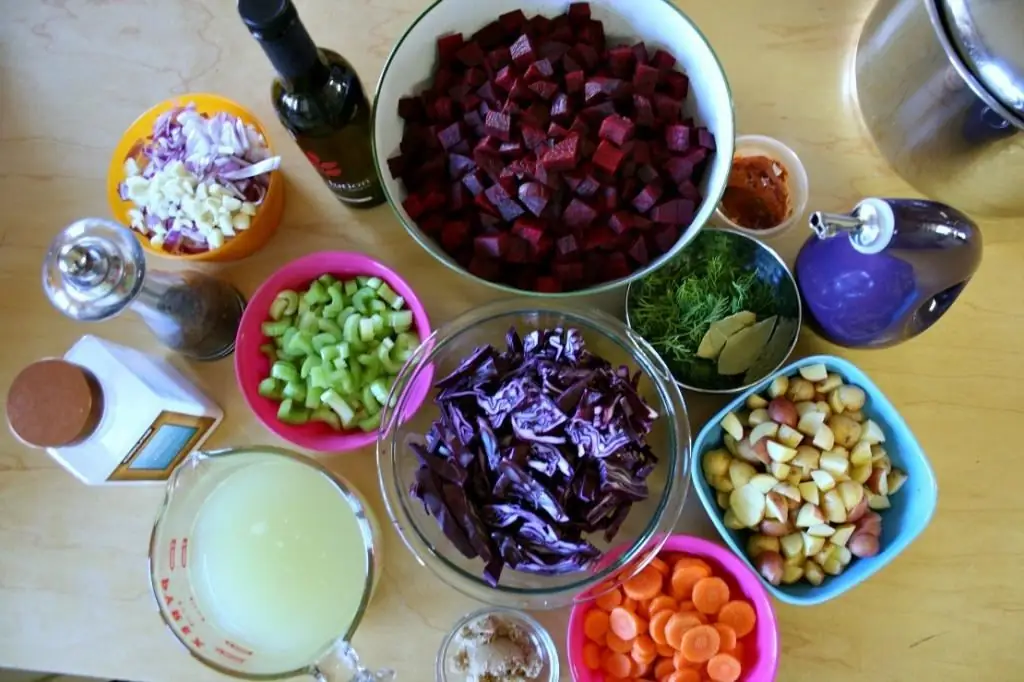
[[987, 34]]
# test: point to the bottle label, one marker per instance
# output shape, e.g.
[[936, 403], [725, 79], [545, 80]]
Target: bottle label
[[333, 174], [166, 442]]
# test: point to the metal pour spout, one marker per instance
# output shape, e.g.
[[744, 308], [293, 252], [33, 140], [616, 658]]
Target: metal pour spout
[[828, 225]]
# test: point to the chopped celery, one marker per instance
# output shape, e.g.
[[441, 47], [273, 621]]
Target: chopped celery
[[327, 279], [371, 423], [329, 326], [312, 396], [275, 328], [400, 321], [285, 371], [308, 322], [373, 282], [323, 339], [309, 363], [294, 390], [370, 401], [286, 303], [316, 293], [340, 407], [351, 287], [290, 413], [325, 415], [270, 350], [318, 378], [366, 329], [268, 388], [329, 353], [361, 300], [386, 293], [378, 306]]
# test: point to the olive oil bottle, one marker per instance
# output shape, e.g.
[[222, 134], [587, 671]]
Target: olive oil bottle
[[319, 99]]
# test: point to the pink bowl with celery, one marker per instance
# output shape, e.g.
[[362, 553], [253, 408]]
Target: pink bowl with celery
[[252, 366], [761, 654]]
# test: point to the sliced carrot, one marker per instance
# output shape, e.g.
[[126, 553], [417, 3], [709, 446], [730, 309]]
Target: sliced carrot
[[724, 668], [738, 652], [740, 616], [686, 606], [629, 604], [684, 560], [643, 609], [644, 649], [680, 662], [625, 624], [595, 625], [644, 585], [609, 600], [661, 566], [663, 667], [591, 655], [710, 595], [656, 627], [700, 643], [661, 603], [618, 665], [728, 636], [617, 644], [685, 675], [665, 650], [684, 577], [640, 670], [704, 620], [677, 626]]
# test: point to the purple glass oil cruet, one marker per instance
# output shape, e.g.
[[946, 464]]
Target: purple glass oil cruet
[[886, 271]]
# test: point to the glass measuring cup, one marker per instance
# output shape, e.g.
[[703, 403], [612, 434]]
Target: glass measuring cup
[[220, 611]]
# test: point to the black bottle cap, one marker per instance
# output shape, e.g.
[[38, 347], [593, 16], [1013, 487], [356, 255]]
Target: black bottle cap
[[267, 19]]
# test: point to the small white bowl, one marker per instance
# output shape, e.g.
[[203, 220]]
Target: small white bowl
[[760, 145]]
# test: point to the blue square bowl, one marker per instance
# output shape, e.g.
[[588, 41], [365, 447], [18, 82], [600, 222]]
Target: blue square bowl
[[912, 507]]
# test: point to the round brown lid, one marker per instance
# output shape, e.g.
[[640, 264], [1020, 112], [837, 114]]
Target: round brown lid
[[53, 403]]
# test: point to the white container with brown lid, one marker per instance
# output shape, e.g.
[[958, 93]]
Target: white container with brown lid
[[110, 414]]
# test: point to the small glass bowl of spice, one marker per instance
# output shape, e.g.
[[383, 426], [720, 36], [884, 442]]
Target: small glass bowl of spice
[[497, 645], [767, 189]]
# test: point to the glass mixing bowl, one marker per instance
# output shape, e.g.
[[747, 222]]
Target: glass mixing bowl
[[649, 522]]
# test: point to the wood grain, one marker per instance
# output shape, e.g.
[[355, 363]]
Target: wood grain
[[73, 579]]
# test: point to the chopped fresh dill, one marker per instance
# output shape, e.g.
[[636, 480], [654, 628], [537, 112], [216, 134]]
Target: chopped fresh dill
[[710, 279]]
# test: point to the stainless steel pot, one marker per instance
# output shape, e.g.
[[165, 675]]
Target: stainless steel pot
[[940, 84]]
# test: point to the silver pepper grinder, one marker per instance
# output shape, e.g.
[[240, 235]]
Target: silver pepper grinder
[[95, 269]]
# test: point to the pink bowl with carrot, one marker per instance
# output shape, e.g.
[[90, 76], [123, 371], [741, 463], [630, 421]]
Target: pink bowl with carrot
[[695, 613]]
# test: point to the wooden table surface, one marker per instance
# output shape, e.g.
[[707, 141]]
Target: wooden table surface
[[73, 579]]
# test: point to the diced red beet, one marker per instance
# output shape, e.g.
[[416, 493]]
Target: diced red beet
[[492, 245], [678, 84], [691, 160], [609, 198], [411, 108], [486, 93], [511, 149], [459, 165], [641, 152], [471, 54], [620, 61], [617, 129], [616, 267], [498, 59], [608, 157], [586, 55], [599, 87], [638, 251], [574, 81], [522, 51], [474, 182], [688, 190], [538, 71], [533, 137], [592, 33], [498, 125], [578, 214], [569, 63], [553, 50], [507, 207], [516, 250], [555, 131], [663, 60], [579, 126], [505, 78], [448, 47], [547, 285], [534, 196], [648, 197], [485, 267], [540, 25], [677, 137], [566, 246], [455, 234], [458, 93], [645, 79], [450, 136], [623, 221], [587, 186], [560, 108], [579, 12], [666, 237], [530, 230], [442, 110], [570, 272], [432, 224], [640, 53], [647, 173], [673, 212], [544, 89], [458, 197], [643, 112], [706, 139], [474, 77], [667, 108], [513, 22], [599, 238], [396, 166], [599, 112], [565, 155], [519, 91], [485, 205], [562, 31], [490, 35]]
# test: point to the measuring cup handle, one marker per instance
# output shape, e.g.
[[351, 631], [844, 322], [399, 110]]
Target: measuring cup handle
[[341, 664]]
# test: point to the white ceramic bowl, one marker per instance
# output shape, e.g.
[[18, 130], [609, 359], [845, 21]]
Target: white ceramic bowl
[[796, 182], [659, 23]]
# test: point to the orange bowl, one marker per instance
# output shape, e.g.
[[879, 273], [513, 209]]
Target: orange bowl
[[268, 214]]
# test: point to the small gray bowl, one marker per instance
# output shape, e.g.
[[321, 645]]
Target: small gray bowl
[[539, 637], [770, 268]]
